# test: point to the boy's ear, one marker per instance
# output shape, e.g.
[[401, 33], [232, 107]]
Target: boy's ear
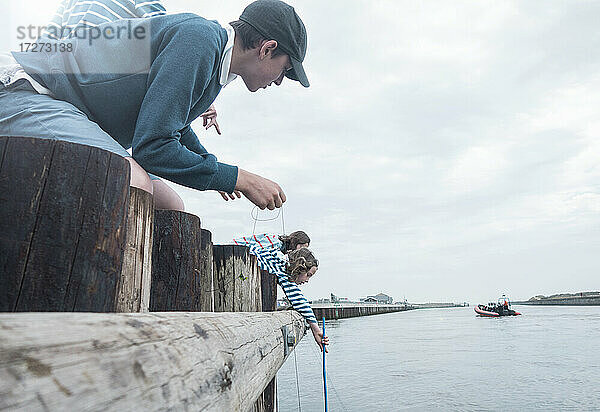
[[267, 48]]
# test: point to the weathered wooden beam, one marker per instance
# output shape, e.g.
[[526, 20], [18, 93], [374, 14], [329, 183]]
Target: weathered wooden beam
[[177, 280], [140, 361], [133, 287], [62, 225]]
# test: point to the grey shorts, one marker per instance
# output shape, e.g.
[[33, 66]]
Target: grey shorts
[[25, 112]]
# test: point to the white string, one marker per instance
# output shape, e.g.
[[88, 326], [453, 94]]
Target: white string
[[256, 219], [296, 367], [297, 381]]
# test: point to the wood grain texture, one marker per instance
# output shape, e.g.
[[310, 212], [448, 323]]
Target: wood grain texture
[[62, 247], [176, 262], [224, 278], [133, 288], [206, 272], [229, 280], [241, 279], [236, 280], [140, 361], [257, 287], [21, 187], [268, 287], [218, 287]]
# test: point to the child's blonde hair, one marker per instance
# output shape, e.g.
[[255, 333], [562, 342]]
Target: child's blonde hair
[[301, 261]]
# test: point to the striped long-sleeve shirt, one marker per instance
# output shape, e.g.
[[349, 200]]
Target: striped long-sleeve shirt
[[72, 14], [267, 249]]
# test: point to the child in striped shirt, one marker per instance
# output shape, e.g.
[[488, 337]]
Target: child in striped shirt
[[297, 269]]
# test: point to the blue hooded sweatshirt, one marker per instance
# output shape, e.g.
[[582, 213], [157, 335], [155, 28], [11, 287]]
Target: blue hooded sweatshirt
[[144, 81]]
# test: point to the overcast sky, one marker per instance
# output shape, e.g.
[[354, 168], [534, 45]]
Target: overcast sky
[[445, 151]]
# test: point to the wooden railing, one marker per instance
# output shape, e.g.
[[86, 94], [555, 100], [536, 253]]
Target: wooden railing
[[151, 361]]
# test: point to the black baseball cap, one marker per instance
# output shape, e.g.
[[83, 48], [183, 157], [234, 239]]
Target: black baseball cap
[[276, 20]]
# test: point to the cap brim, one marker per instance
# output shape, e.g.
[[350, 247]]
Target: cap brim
[[297, 72]]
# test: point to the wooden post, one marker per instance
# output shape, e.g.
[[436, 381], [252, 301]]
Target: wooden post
[[256, 285], [62, 225], [268, 299], [133, 289], [268, 286], [140, 361], [237, 286], [241, 279], [224, 278], [177, 282], [206, 272], [246, 285]]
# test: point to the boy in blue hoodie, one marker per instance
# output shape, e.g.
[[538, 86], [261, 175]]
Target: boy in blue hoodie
[[140, 83]]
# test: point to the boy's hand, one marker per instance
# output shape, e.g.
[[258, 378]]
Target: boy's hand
[[264, 193], [209, 119], [318, 335]]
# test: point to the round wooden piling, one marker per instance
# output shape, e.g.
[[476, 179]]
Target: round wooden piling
[[62, 225], [224, 278], [133, 288], [177, 283], [268, 286], [206, 272], [236, 280]]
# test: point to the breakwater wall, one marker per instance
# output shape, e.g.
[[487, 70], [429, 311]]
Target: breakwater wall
[[585, 301], [431, 305], [343, 311], [565, 299]]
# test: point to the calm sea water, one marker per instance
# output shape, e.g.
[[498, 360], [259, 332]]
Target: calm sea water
[[449, 359]]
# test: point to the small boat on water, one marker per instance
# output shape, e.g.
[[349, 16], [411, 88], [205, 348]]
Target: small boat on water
[[495, 310]]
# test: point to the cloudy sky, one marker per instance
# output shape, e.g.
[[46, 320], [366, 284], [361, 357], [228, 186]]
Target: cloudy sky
[[446, 151]]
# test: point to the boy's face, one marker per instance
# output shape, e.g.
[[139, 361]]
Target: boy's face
[[266, 70]]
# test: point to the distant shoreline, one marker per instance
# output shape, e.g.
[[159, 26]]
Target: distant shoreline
[[564, 299]]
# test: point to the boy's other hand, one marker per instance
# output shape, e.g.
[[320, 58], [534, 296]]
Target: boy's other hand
[[264, 193], [209, 119], [226, 196]]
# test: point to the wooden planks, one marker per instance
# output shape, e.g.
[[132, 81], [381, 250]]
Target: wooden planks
[[141, 361], [133, 288], [63, 218]]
